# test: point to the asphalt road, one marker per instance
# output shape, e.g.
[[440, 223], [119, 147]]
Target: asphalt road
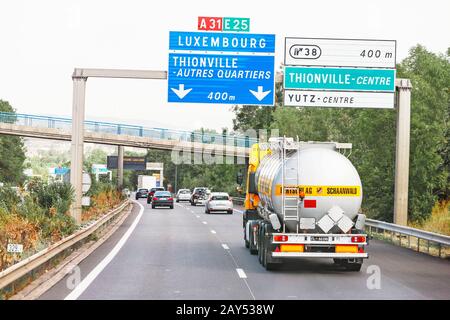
[[186, 254]]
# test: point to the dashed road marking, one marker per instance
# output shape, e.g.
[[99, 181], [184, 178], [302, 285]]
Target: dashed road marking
[[204, 222], [198, 216], [241, 273], [225, 246], [213, 231]]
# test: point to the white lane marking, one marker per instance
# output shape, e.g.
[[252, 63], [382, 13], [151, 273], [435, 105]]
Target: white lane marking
[[238, 211], [213, 231], [204, 222], [225, 246], [198, 216], [99, 268], [241, 273]]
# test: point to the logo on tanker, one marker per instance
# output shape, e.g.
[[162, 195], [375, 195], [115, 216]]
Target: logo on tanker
[[318, 191]]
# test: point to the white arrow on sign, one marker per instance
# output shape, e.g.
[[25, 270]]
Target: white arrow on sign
[[260, 94], [180, 92]]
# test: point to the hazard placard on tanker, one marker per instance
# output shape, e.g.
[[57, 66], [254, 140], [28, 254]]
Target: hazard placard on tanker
[[320, 191]]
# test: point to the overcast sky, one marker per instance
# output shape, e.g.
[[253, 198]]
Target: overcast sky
[[42, 41]]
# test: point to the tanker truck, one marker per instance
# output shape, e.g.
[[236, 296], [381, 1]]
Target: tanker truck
[[303, 201]]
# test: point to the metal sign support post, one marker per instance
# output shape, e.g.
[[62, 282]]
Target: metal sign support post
[[76, 165], [79, 78], [402, 151]]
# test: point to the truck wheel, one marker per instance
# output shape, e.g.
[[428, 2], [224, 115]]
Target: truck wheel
[[261, 243], [207, 211], [247, 244], [230, 211], [252, 247], [171, 207], [153, 207], [178, 200]]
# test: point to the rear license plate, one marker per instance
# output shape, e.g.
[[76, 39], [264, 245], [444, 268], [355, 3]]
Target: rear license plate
[[319, 238]]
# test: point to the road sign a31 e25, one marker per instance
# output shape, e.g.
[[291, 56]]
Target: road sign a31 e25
[[339, 73], [224, 24], [221, 68]]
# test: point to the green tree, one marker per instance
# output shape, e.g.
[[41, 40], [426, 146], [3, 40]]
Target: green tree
[[429, 161], [12, 154]]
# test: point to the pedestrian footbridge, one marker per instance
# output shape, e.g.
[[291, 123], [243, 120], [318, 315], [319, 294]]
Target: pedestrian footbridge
[[56, 128]]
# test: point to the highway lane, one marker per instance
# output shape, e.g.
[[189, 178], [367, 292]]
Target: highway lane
[[185, 254]]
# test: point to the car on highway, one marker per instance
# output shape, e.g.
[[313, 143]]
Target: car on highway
[[162, 199], [199, 196], [141, 193], [183, 195], [152, 192], [219, 202]]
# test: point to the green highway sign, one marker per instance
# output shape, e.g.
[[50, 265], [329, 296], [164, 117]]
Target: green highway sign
[[345, 79]]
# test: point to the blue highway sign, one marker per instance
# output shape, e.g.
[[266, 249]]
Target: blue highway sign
[[221, 68]]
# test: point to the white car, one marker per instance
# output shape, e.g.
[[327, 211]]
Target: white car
[[183, 195], [219, 202], [126, 192]]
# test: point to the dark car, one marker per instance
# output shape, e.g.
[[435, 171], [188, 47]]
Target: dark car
[[141, 193], [152, 192], [162, 199]]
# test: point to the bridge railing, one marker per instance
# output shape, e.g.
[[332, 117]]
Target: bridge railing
[[401, 235], [65, 124]]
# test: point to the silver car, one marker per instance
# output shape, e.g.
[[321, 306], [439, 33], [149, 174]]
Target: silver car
[[219, 202], [183, 195]]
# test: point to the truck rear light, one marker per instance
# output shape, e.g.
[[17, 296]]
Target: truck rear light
[[155, 199], [280, 238], [170, 199], [346, 248], [358, 239], [361, 250], [292, 247]]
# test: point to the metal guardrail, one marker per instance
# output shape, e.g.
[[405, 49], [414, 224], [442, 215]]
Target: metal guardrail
[[124, 129], [431, 237], [28, 265]]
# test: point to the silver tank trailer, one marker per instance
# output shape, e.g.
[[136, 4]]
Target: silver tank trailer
[[328, 176]]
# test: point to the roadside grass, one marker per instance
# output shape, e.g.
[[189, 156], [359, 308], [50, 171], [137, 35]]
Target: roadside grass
[[439, 221]]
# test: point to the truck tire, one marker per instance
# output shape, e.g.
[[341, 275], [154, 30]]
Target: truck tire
[[261, 249], [247, 244], [253, 248], [153, 206]]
